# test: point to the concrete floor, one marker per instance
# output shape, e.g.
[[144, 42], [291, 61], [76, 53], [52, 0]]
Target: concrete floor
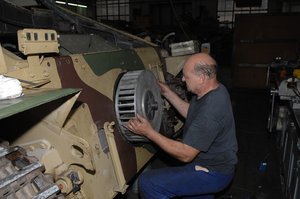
[[256, 146]]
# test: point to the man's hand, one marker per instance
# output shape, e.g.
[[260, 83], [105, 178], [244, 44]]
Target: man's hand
[[181, 105], [139, 125], [164, 88], [177, 149]]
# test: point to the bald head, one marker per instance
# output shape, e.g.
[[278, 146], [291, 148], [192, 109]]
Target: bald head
[[199, 74], [202, 63]]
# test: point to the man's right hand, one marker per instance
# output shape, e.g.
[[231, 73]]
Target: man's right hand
[[164, 88], [181, 105]]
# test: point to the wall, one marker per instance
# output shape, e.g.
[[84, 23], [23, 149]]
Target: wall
[[258, 39]]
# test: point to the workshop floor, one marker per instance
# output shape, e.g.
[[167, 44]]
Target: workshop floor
[[256, 146]]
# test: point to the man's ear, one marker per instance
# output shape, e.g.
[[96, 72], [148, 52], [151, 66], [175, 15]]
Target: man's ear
[[201, 78]]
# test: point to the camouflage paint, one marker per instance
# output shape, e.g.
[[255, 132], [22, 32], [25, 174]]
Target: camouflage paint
[[100, 114], [105, 61], [28, 101]]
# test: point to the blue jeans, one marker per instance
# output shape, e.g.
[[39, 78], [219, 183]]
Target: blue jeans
[[182, 181]]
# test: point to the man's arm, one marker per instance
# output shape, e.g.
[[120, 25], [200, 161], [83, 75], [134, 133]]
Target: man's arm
[[181, 105], [177, 149]]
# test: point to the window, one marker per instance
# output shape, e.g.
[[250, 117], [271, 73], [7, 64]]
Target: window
[[227, 9], [113, 10]]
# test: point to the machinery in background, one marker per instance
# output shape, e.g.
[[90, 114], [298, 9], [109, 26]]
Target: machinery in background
[[282, 79], [285, 120]]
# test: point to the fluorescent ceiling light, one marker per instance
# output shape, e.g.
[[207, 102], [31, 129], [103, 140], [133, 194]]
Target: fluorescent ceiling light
[[60, 2], [81, 6], [77, 5], [71, 4]]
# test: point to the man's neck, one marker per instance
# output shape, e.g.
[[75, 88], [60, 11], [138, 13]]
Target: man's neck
[[209, 87]]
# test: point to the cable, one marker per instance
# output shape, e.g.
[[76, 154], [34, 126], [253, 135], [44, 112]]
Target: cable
[[177, 19]]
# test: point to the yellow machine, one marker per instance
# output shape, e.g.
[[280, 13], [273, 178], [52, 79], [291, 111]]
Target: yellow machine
[[65, 133]]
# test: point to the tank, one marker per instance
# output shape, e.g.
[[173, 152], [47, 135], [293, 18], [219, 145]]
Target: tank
[[64, 136]]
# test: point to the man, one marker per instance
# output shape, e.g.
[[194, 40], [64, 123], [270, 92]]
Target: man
[[208, 146]]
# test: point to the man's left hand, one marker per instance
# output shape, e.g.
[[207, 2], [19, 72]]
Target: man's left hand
[[139, 125]]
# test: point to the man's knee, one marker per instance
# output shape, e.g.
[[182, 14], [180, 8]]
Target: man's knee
[[144, 181], [148, 188], [141, 180], [150, 178]]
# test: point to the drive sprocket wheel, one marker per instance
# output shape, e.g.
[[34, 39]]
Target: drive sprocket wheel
[[138, 92]]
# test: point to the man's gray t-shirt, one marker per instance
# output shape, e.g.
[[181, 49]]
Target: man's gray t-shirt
[[210, 128]]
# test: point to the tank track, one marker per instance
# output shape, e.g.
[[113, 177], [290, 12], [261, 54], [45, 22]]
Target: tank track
[[23, 177]]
